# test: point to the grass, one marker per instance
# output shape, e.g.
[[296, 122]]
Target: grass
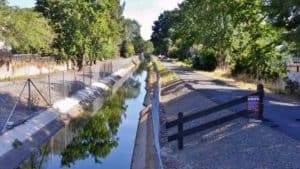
[[166, 74], [187, 63], [241, 81]]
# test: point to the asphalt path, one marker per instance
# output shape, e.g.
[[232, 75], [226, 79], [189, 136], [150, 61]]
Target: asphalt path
[[280, 112]]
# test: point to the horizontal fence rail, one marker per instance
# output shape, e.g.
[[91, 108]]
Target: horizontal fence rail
[[181, 120]]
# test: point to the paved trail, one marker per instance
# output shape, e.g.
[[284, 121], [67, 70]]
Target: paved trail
[[284, 115]]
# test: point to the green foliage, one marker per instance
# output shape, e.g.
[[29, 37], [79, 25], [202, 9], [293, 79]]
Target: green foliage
[[241, 34], [160, 37], [290, 86], [87, 30], [132, 35], [148, 47], [98, 137], [18, 31], [285, 14], [127, 49], [204, 60]]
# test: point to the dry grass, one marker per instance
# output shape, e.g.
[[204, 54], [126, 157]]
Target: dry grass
[[186, 63], [151, 79], [241, 81], [166, 74], [226, 77]]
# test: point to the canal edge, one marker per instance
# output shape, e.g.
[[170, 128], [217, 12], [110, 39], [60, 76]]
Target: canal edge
[[145, 154], [57, 117]]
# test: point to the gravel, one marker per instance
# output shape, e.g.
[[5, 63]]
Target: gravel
[[238, 144]]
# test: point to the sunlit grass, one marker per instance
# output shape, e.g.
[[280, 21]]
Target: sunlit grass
[[166, 75], [187, 63], [241, 81]]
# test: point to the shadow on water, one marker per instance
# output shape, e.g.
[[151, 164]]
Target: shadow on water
[[87, 141]]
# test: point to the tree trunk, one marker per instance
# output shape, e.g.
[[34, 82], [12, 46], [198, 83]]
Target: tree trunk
[[80, 60]]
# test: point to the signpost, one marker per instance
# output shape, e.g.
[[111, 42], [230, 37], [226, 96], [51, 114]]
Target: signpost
[[253, 104]]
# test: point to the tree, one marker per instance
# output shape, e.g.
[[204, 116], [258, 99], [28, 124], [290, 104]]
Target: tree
[[148, 47], [160, 37], [132, 34], [239, 33], [98, 137], [127, 49], [87, 30], [286, 14], [17, 31]]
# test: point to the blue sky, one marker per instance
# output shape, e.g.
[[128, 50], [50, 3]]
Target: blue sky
[[144, 11]]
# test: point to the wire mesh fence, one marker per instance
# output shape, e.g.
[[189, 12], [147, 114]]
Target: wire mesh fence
[[22, 99]]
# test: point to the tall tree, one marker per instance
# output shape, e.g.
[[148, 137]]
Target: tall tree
[[87, 30], [161, 35], [132, 35], [17, 31], [238, 32], [286, 14]]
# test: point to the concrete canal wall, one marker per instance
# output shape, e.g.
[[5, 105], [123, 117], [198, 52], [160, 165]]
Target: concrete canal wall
[[17, 144]]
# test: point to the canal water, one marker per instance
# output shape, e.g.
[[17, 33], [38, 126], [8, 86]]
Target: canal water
[[104, 139]]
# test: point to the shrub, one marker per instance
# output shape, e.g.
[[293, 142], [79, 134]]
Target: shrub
[[204, 60], [127, 49], [290, 85]]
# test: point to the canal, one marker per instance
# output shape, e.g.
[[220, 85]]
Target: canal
[[103, 139]]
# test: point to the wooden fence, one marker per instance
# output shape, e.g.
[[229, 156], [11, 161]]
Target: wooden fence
[[181, 120]]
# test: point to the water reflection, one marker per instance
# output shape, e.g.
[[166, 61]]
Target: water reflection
[[88, 137], [97, 138]]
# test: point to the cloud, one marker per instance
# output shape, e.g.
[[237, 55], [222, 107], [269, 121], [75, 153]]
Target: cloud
[[147, 11]]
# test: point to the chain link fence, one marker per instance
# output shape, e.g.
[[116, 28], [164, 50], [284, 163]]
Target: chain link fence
[[22, 99]]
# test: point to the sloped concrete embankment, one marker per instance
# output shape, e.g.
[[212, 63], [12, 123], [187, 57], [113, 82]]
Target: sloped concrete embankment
[[33, 133]]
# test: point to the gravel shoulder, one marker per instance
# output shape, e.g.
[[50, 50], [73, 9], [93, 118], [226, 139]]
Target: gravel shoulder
[[236, 144]]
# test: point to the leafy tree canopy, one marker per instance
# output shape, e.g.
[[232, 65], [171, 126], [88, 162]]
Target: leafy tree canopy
[[241, 34], [17, 31]]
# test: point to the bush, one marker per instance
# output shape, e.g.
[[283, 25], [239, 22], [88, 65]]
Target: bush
[[127, 49], [204, 60], [290, 85]]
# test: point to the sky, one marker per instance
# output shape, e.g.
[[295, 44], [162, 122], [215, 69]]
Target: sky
[[144, 11]]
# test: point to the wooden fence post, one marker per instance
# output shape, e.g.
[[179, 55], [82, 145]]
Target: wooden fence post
[[260, 90], [180, 130]]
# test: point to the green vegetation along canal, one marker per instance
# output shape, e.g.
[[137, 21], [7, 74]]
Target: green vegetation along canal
[[102, 140]]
